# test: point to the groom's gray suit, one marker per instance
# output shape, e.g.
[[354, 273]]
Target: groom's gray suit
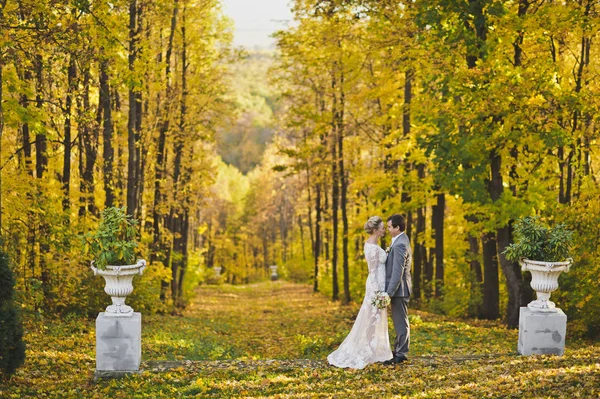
[[398, 285]]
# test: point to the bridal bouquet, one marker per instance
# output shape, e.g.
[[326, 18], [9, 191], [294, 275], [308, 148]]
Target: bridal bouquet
[[380, 300]]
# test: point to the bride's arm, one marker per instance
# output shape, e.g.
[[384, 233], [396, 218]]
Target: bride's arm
[[381, 278], [373, 261]]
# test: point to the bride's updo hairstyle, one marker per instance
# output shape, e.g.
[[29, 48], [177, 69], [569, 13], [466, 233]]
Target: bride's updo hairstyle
[[373, 224]]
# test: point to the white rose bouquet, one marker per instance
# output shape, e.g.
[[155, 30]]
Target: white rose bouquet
[[381, 300]]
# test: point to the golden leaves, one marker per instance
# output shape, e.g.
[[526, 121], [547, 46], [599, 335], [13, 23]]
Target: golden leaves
[[268, 327]]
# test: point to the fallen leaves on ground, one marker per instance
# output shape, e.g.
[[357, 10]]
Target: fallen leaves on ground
[[270, 340]]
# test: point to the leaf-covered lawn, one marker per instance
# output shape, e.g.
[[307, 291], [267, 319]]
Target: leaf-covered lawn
[[271, 339]]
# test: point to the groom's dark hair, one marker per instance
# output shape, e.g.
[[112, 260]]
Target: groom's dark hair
[[397, 221]]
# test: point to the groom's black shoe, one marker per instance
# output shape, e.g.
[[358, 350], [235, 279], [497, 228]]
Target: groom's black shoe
[[396, 360]]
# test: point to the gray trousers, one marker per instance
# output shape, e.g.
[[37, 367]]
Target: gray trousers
[[400, 319]]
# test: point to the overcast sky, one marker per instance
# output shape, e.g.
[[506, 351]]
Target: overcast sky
[[255, 20]]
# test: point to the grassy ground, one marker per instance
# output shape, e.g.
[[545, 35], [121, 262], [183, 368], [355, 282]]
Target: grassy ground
[[271, 339]]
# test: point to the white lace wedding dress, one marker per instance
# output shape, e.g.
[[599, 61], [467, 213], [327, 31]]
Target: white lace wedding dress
[[368, 341]]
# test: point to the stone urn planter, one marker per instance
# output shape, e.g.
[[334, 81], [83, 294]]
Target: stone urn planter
[[118, 285], [542, 326], [544, 281], [274, 275]]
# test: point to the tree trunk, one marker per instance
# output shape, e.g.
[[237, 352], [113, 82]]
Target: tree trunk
[[177, 206], [420, 258], [512, 271], [477, 278], [491, 294], [159, 170], [66, 174], [140, 156], [108, 153], [184, 232], [514, 280], [438, 228], [344, 187], [89, 136], [317, 246], [41, 144], [41, 166], [25, 131], [334, 185], [132, 178], [309, 214], [419, 254]]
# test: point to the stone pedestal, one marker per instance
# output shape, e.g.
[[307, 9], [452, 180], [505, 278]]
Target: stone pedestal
[[118, 343], [542, 333], [274, 275]]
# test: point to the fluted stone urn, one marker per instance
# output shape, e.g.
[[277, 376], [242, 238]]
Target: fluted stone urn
[[544, 281], [118, 285]]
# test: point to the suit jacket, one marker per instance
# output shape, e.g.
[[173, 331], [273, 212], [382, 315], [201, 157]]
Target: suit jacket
[[398, 280]]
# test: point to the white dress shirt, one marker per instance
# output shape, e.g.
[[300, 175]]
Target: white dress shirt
[[394, 238]]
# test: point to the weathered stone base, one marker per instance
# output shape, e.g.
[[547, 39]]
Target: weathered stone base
[[118, 343], [542, 333]]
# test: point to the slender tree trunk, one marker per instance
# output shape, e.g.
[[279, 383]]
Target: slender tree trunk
[[491, 294], [66, 174], [438, 228], [177, 207], [90, 147], [562, 198], [132, 178], [159, 170], [29, 251], [41, 158], [180, 180], [406, 197], [477, 278], [421, 278], [108, 153], [344, 187], [317, 245], [25, 131], [41, 166], [334, 186], [140, 156], [309, 214], [172, 222], [185, 228]]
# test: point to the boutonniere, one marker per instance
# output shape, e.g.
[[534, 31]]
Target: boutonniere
[[387, 250]]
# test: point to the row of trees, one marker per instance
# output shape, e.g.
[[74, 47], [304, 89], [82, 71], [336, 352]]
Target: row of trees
[[462, 116], [107, 103]]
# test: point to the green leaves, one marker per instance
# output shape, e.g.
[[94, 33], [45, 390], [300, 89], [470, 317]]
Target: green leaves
[[535, 241], [114, 242]]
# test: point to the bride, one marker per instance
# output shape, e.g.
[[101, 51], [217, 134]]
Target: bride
[[368, 341]]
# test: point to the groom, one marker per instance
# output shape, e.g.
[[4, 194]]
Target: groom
[[398, 285]]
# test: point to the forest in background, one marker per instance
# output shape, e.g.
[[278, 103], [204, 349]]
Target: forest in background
[[109, 103], [461, 116]]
